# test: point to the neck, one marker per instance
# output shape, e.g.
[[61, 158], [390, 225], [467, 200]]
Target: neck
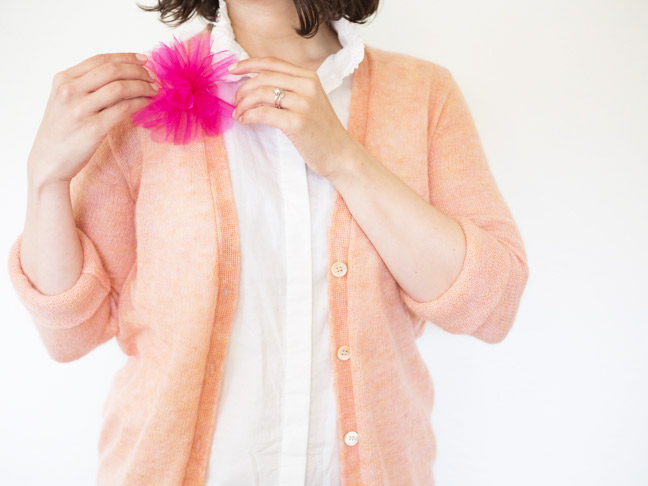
[[266, 28]]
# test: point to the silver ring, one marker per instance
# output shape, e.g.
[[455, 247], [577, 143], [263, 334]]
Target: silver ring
[[279, 94]]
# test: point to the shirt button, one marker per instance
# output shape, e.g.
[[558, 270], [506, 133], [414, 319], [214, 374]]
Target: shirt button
[[351, 438], [343, 352], [339, 269]]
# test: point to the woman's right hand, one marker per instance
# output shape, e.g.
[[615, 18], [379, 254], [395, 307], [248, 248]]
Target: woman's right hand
[[85, 102]]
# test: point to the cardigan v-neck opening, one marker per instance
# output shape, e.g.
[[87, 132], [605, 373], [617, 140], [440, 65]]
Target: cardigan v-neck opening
[[217, 163]]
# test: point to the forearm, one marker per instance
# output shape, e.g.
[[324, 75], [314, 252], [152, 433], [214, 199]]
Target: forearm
[[50, 251], [423, 249]]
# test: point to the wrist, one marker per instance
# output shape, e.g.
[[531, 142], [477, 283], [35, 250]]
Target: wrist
[[39, 185], [349, 161]]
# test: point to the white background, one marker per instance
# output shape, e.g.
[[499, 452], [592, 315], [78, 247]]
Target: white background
[[559, 92]]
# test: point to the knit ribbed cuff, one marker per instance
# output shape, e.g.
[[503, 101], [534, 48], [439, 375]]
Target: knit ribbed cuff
[[72, 307], [477, 290]]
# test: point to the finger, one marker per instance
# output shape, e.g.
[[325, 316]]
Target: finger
[[94, 61], [114, 92], [106, 119], [270, 63], [111, 71], [264, 95], [303, 86], [285, 120]]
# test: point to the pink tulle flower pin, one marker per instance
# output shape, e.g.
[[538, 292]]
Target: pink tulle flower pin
[[187, 104]]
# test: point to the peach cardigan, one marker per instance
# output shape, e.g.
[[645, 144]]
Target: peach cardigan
[[160, 273]]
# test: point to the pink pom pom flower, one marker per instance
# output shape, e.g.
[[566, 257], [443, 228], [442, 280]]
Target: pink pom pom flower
[[187, 105]]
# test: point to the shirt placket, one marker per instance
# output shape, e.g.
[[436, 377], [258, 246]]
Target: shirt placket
[[298, 328]]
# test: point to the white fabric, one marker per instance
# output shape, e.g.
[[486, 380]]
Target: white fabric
[[276, 421]]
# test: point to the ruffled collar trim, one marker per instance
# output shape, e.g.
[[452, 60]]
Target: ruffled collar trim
[[333, 69]]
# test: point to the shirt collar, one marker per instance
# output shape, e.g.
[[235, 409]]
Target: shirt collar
[[333, 69]]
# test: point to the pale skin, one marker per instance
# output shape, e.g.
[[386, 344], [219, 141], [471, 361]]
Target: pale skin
[[85, 102], [423, 248]]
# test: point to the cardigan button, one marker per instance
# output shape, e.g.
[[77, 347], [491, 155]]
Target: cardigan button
[[351, 438], [339, 269], [343, 352]]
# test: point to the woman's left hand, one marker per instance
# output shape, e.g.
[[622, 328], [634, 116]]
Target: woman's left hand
[[306, 116]]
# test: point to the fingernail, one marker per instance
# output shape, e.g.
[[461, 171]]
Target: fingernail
[[141, 57], [232, 67]]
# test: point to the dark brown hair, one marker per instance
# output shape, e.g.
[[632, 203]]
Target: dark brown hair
[[311, 13]]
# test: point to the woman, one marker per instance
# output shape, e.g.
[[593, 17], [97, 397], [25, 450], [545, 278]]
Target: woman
[[268, 284]]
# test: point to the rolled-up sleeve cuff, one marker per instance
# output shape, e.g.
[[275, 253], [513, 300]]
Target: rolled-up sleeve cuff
[[477, 290], [72, 307]]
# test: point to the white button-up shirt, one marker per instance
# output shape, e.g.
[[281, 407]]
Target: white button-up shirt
[[276, 421]]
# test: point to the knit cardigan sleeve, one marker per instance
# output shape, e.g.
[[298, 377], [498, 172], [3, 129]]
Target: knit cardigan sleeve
[[484, 298], [76, 321]]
